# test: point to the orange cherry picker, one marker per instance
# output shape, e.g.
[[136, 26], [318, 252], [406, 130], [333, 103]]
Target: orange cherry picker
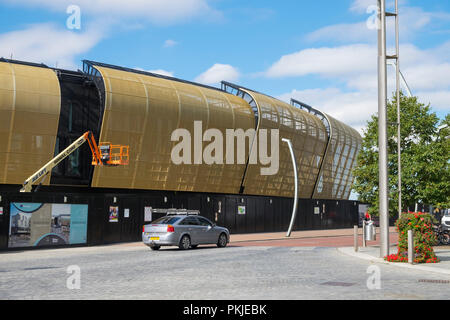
[[104, 154]]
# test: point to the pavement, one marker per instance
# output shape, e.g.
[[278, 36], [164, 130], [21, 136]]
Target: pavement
[[344, 237], [235, 238], [372, 253]]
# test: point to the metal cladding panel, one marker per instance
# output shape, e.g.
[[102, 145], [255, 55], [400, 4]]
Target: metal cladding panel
[[308, 136], [336, 178], [143, 111], [30, 101]]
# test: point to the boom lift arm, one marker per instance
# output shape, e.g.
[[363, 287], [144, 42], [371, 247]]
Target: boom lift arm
[[100, 157]]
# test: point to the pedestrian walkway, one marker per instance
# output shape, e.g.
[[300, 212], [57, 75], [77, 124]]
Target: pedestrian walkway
[[235, 238], [372, 253], [318, 238]]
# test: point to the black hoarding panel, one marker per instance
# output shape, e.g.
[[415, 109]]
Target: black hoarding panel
[[96, 223], [269, 216], [118, 217], [230, 214], [241, 214], [251, 215], [131, 219], [259, 217], [4, 222]]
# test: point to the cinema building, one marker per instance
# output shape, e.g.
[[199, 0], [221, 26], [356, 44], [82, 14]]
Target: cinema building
[[43, 110]]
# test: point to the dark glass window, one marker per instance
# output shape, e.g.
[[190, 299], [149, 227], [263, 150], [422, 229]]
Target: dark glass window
[[190, 221], [81, 111], [166, 220], [204, 221], [73, 164], [70, 122]]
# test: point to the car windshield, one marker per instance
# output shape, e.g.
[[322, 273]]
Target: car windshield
[[166, 220]]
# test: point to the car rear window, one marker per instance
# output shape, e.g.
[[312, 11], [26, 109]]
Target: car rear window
[[166, 220]]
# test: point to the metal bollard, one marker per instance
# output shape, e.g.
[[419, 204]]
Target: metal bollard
[[364, 234], [355, 238], [411, 251]]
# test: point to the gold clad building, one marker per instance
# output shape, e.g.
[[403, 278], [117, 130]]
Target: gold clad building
[[43, 110]]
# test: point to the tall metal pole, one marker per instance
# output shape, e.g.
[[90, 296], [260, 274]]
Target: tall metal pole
[[294, 165], [382, 133], [399, 149]]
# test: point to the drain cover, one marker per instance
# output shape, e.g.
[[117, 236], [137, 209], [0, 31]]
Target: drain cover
[[434, 281], [337, 284]]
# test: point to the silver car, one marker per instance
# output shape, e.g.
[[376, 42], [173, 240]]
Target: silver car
[[184, 231]]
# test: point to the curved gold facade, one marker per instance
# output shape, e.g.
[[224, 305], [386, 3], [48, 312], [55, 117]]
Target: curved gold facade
[[30, 103], [309, 139], [142, 111], [335, 179]]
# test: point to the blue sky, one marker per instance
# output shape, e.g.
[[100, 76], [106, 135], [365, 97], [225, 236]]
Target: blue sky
[[320, 52]]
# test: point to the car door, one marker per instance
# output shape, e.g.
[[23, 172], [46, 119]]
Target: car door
[[191, 226], [207, 232]]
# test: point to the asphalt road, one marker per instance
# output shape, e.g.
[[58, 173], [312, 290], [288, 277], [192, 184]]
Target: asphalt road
[[231, 273]]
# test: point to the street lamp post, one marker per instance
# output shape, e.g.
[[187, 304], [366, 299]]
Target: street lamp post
[[382, 133], [397, 81]]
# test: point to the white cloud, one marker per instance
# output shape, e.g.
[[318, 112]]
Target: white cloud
[[360, 6], [158, 71], [217, 73], [413, 21], [355, 68], [428, 76], [345, 32], [440, 100], [351, 65], [54, 45], [163, 72], [48, 44], [337, 61], [352, 108], [169, 43], [156, 11]]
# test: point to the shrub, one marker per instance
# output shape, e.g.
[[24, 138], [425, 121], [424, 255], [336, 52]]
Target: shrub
[[424, 238]]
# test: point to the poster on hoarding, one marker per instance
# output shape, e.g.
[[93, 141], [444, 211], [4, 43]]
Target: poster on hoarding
[[47, 224], [113, 214], [1, 211], [126, 213], [241, 209], [148, 214]]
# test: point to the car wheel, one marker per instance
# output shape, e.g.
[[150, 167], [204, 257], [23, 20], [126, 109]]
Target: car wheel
[[445, 239], [155, 247], [185, 243], [222, 242]]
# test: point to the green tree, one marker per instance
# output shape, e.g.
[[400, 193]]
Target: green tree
[[425, 150]]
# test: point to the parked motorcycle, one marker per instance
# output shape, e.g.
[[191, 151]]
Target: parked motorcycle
[[442, 235], [445, 229]]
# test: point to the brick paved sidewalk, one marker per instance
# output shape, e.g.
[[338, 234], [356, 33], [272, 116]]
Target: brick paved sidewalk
[[234, 238], [372, 253]]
